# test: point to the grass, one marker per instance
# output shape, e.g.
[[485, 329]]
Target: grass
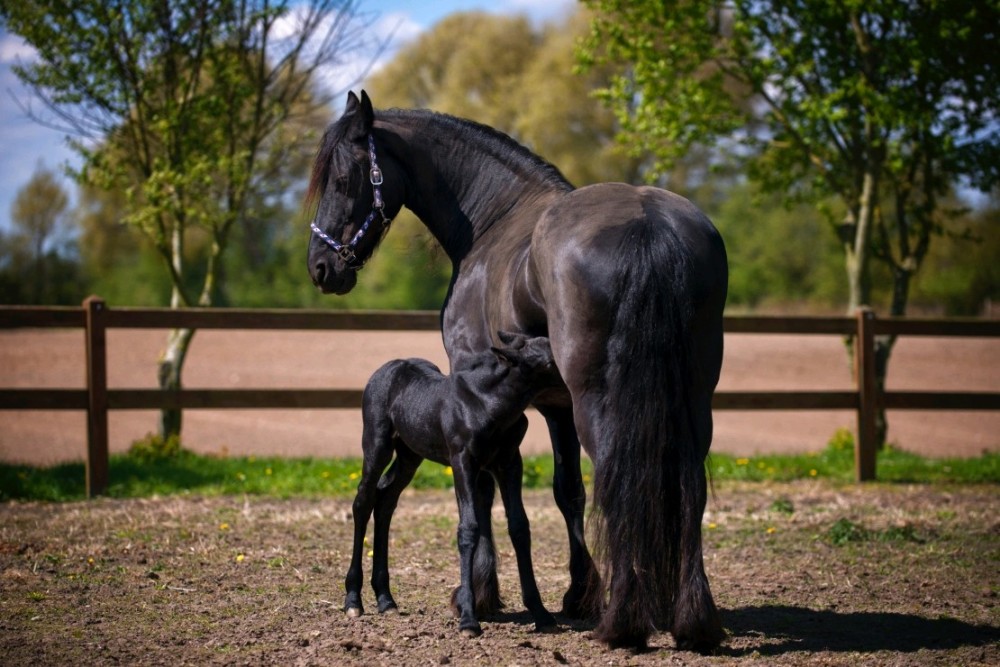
[[150, 470]]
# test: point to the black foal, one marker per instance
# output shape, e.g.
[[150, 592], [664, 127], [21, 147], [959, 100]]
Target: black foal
[[473, 420]]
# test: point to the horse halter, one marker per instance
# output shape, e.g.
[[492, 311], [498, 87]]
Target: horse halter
[[346, 252]]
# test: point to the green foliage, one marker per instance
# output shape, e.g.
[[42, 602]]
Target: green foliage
[[880, 106], [844, 531], [37, 263], [777, 254], [155, 448]]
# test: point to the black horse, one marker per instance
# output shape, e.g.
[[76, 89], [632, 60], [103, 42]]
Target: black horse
[[629, 285], [473, 420]]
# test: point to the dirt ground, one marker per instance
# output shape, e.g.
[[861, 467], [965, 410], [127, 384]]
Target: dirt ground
[[307, 359], [806, 573]]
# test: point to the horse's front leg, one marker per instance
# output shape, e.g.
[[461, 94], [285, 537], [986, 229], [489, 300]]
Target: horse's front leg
[[582, 599], [465, 471], [509, 469]]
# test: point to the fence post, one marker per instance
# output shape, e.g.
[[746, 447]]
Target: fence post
[[97, 397], [864, 365]]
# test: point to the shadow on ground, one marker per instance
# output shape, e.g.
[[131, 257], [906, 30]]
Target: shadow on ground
[[792, 629]]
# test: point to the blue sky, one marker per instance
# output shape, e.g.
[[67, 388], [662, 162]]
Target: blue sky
[[24, 143]]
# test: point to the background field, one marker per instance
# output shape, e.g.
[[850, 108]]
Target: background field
[[230, 359]]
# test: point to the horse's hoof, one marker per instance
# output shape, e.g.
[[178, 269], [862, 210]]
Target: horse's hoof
[[353, 612], [390, 611], [471, 633]]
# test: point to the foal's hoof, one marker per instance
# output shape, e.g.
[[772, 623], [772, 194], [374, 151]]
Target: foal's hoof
[[353, 612]]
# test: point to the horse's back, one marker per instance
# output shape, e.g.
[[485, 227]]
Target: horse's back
[[587, 250]]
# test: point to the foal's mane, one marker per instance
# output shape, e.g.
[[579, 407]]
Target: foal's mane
[[483, 138]]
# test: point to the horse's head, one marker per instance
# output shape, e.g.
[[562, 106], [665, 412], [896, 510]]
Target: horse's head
[[353, 208]]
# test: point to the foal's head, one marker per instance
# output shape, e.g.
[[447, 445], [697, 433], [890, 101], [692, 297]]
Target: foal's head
[[529, 359]]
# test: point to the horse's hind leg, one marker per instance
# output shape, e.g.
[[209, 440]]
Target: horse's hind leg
[[377, 446], [583, 597], [395, 479]]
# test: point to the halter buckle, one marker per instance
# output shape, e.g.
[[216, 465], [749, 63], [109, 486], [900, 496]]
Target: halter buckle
[[345, 253]]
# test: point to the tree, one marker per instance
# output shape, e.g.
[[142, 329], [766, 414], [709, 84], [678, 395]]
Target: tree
[[36, 248], [186, 98], [881, 106]]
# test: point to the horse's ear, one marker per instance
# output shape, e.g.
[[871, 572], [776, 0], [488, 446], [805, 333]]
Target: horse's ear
[[367, 111], [352, 102], [361, 115]]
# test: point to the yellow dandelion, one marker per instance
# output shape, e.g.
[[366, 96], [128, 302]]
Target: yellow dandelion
[[448, 471], [771, 530], [371, 553], [354, 475], [268, 471], [326, 474], [712, 526], [742, 462], [223, 526], [239, 558], [586, 479], [813, 472]]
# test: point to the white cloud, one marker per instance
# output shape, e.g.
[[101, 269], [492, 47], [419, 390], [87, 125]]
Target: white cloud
[[13, 48]]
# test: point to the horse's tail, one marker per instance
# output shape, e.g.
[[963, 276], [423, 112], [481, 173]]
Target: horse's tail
[[649, 483]]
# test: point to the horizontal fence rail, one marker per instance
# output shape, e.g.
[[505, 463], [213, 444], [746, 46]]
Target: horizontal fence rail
[[95, 318]]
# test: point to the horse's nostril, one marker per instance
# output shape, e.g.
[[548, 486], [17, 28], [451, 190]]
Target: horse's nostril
[[319, 275]]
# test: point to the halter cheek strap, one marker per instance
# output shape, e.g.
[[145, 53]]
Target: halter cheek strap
[[346, 251]]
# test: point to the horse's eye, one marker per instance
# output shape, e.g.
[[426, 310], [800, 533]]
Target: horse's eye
[[342, 185]]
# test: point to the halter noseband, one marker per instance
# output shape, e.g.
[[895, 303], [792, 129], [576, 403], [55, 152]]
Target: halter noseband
[[346, 252]]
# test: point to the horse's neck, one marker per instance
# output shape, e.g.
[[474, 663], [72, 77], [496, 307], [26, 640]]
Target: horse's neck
[[461, 192]]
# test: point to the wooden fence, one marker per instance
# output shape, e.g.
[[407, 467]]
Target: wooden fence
[[95, 317]]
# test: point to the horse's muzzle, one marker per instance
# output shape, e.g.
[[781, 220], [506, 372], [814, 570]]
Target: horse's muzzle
[[330, 281]]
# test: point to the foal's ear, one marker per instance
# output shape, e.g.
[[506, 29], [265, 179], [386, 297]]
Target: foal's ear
[[504, 356], [511, 339]]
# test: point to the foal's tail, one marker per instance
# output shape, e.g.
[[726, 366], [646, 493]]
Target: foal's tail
[[649, 484]]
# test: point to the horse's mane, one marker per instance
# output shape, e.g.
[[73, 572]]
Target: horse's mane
[[486, 138], [321, 166]]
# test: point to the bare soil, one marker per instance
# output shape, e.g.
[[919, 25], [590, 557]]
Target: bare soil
[[250, 581], [309, 359]]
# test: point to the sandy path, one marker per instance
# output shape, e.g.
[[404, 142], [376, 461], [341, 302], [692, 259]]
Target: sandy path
[[307, 359]]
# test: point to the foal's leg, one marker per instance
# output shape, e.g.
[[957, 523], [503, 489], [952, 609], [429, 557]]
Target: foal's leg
[[509, 468], [377, 446], [583, 597], [466, 470], [485, 584], [395, 479]]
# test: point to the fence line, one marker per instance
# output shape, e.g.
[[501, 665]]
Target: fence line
[[95, 317]]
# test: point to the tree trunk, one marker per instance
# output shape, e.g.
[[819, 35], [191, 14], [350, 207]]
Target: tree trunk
[[171, 362], [858, 226], [169, 374]]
